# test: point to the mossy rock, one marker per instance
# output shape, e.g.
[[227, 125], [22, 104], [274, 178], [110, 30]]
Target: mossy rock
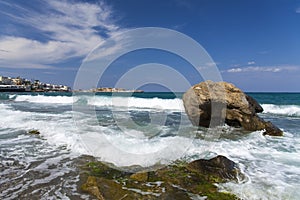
[[180, 180], [101, 169], [218, 169], [140, 176]]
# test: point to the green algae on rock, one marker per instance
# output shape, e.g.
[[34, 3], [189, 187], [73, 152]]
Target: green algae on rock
[[176, 181]]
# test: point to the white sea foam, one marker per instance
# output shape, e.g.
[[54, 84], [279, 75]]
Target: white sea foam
[[105, 101], [58, 129], [45, 99], [133, 102], [287, 110], [109, 144]]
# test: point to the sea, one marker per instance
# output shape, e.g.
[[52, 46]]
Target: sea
[[139, 129]]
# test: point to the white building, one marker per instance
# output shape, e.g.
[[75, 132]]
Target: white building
[[6, 80]]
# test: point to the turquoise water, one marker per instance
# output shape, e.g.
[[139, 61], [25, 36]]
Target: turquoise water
[[277, 98], [140, 129]]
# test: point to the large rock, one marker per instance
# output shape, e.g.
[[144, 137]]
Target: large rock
[[208, 103]]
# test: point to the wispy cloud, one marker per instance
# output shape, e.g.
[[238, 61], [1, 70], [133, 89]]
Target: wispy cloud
[[298, 10], [251, 63], [272, 69], [68, 29]]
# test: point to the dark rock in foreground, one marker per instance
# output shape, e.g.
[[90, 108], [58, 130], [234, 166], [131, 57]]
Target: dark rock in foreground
[[177, 181], [208, 103]]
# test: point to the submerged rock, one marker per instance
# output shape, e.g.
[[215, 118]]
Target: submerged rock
[[34, 132], [209, 103], [180, 180]]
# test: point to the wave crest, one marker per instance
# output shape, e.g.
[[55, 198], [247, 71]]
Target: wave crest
[[287, 110], [105, 101]]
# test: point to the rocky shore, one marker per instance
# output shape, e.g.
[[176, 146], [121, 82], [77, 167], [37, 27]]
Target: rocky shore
[[180, 180]]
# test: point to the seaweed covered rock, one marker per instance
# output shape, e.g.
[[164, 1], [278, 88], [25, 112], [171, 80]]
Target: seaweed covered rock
[[180, 180], [208, 103], [219, 168]]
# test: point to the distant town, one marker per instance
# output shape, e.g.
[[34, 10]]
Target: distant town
[[18, 84], [109, 90]]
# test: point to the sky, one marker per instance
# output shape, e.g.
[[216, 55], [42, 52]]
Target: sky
[[254, 43]]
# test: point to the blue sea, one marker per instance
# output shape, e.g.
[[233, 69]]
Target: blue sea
[[140, 129]]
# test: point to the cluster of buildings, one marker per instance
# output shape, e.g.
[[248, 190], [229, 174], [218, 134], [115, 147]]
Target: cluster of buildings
[[18, 84], [108, 90]]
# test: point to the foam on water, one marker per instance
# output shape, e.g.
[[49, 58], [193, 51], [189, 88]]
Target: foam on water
[[286, 110], [58, 129], [105, 101], [133, 102], [43, 99], [271, 164]]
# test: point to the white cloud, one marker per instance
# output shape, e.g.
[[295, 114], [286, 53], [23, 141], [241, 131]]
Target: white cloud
[[273, 69], [72, 30], [251, 63], [298, 10], [233, 70]]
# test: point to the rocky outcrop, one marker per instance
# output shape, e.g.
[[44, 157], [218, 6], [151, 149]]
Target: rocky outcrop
[[180, 180], [210, 104]]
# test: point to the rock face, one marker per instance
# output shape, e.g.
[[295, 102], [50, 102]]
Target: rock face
[[208, 103]]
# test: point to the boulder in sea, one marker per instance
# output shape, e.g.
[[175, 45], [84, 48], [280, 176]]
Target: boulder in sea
[[219, 102]]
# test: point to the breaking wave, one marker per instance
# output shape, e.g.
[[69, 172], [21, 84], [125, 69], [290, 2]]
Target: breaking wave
[[106, 101], [286, 110]]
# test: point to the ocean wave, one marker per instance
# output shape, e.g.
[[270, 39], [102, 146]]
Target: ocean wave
[[105, 101], [286, 110], [133, 102], [44, 99]]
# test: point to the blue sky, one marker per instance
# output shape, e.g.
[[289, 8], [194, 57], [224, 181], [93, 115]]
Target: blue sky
[[255, 43]]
